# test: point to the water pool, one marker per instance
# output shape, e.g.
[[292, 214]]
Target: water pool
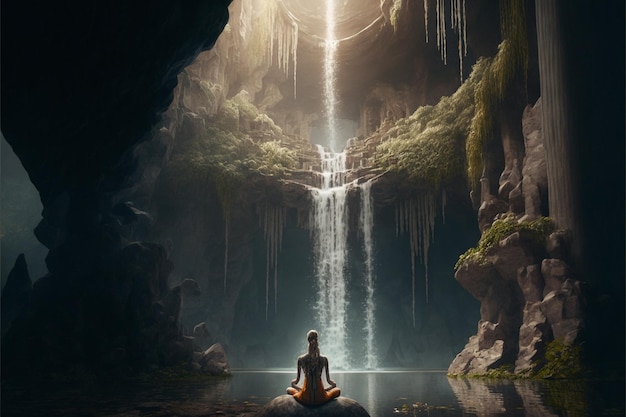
[[382, 393]]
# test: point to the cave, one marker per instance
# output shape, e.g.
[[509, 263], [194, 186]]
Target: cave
[[188, 188]]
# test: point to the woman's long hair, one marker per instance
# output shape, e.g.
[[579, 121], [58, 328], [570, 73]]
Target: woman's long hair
[[314, 350]]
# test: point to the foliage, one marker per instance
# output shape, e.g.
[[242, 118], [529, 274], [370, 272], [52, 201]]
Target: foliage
[[502, 372], [505, 75], [276, 159], [562, 361], [222, 156], [427, 147], [538, 229]]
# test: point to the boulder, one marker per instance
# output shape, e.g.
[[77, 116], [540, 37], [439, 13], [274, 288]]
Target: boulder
[[202, 337], [488, 210], [557, 244], [474, 359], [214, 361], [512, 253], [487, 359], [564, 310], [554, 272], [477, 278], [287, 406], [488, 333], [530, 282], [534, 333]]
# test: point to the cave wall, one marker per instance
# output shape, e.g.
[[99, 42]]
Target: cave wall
[[109, 71], [78, 138]]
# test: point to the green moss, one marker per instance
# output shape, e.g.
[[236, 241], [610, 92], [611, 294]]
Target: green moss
[[539, 229], [505, 75], [276, 159], [218, 160], [427, 147], [228, 117], [502, 372], [562, 361]]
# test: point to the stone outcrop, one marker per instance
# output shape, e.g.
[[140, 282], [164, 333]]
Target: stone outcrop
[[287, 406], [528, 293], [212, 361], [99, 306], [534, 174]]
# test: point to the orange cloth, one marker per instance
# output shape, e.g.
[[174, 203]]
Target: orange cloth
[[314, 394]]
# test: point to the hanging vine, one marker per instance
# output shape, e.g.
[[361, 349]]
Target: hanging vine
[[505, 75], [272, 220], [458, 23], [417, 217], [227, 185]]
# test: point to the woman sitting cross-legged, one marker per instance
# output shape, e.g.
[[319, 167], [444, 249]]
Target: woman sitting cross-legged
[[312, 391]]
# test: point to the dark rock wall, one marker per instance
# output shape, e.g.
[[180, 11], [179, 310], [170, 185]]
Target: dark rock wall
[[83, 83], [583, 108]]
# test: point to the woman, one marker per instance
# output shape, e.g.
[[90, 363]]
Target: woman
[[312, 364]]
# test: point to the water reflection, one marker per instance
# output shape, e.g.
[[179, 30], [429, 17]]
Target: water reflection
[[479, 398], [412, 393], [530, 398]]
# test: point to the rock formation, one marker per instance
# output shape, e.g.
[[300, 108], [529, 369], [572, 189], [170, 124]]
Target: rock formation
[[114, 67], [528, 298], [287, 406]]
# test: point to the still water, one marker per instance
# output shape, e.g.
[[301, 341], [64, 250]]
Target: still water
[[432, 393], [382, 394]]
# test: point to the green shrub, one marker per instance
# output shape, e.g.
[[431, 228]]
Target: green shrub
[[562, 361], [428, 146], [539, 230]]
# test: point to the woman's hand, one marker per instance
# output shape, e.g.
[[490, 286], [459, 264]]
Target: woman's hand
[[293, 384]]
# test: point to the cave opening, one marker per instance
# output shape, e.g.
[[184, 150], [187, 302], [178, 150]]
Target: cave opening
[[414, 179]]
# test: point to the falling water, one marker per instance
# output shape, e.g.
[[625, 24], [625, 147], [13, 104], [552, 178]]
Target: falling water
[[330, 98], [329, 225], [366, 225], [330, 228]]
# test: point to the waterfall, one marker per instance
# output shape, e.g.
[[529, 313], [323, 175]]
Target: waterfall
[[329, 227], [329, 224], [330, 98], [366, 225]]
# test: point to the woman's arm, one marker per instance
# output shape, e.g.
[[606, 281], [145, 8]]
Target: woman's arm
[[330, 381], [295, 381]]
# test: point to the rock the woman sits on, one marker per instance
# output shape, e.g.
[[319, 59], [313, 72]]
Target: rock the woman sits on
[[312, 364]]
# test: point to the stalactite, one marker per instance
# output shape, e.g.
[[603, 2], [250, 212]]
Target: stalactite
[[444, 201], [417, 217], [282, 38], [272, 220], [294, 54], [225, 253], [426, 18], [458, 22]]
